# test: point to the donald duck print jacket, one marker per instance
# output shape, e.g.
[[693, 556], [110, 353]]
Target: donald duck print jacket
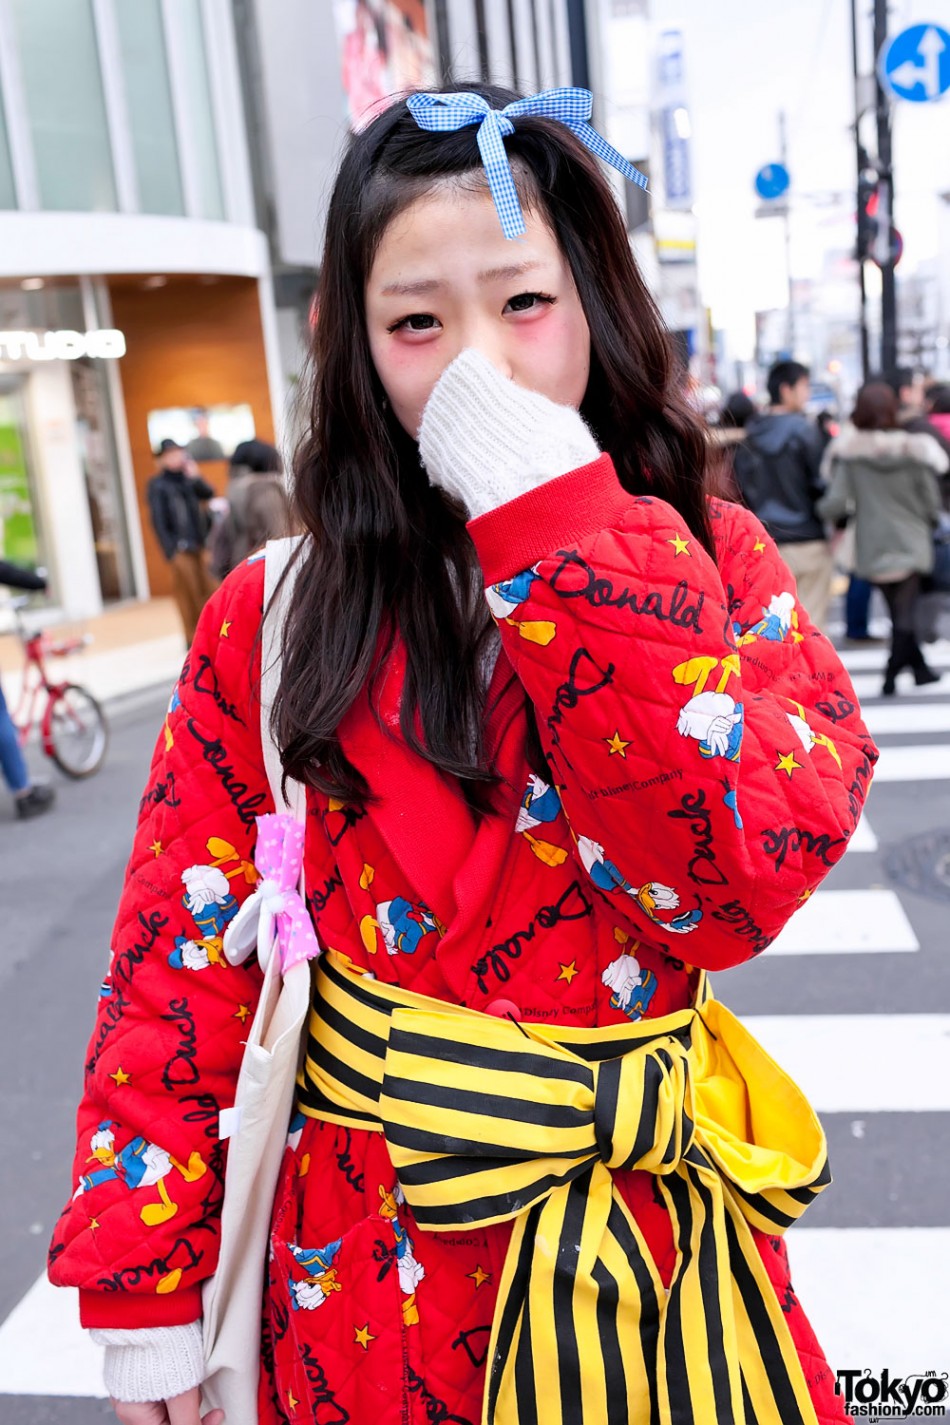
[[706, 763]]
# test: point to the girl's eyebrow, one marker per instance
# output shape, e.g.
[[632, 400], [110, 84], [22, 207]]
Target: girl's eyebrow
[[432, 284]]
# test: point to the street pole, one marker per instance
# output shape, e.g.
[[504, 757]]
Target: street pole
[[786, 219], [886, 201], [862, 163]]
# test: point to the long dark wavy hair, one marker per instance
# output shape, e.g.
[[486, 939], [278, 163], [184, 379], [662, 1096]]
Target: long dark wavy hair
[[390, 554]]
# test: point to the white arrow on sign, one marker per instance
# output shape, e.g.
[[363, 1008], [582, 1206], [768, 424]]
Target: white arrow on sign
[[906, 75]]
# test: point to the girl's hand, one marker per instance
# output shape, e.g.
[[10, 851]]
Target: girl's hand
[[485, 440], [180, 1410]]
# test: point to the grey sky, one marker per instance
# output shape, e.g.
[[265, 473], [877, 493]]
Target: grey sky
[[746, 59]]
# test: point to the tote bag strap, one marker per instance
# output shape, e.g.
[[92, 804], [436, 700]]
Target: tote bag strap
[[280, 574]]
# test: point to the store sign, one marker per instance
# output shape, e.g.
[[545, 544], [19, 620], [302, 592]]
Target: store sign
[[61, 345], [674, 123]]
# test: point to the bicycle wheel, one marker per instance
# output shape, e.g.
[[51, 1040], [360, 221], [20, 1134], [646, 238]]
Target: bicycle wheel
[[77, 733]]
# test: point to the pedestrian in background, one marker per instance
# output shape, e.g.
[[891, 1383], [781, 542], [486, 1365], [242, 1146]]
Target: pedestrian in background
[[777, 467], [727, 435], [885, 477], [936, 421], [520, 644], [30, 798], [177, 497], [258, 506]]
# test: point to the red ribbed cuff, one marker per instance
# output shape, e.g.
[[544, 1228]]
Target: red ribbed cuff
[[559, 512], [127, 1310]]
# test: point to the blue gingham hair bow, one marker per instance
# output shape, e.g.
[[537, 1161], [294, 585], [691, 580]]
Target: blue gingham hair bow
[[441, 113]]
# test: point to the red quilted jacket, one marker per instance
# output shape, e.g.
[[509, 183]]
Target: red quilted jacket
[[708, 764]]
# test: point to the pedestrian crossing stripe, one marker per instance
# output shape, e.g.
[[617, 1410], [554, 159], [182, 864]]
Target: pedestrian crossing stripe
[[868, 686], [924, 762], [863, 838], [868, 660], [848, 923], [903, 718], [861, 1063], [876, 1296]]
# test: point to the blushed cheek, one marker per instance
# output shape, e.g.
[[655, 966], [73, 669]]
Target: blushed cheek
[[556, 355]]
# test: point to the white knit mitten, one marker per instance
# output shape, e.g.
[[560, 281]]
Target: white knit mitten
[[152, 1362], [486, 440]]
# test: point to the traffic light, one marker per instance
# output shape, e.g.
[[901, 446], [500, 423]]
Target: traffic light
[[868, 202]]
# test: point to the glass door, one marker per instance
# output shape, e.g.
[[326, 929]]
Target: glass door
[[20, 535]]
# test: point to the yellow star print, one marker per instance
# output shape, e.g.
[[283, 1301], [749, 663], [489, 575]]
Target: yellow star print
[[241, 1012], [292, 1401], [121, 1077], [568, 971], [157, 847], [805, 895], [788, 764], [363, 1337], [225, 626], [617, 744], [680, 546], [93, 1223], [759, 547], [479, 1277]]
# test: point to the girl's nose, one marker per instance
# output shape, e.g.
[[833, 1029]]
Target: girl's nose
[[489, 343]]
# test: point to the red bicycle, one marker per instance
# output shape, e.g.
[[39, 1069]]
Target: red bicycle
[[71, 724]]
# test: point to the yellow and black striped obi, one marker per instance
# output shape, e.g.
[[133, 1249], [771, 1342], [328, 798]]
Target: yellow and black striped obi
[[487, 1120]]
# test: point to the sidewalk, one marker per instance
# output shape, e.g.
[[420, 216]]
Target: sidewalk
[[134, 647]]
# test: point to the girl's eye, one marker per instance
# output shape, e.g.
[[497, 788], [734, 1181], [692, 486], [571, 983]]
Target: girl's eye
[[415, 322], [529, 301]]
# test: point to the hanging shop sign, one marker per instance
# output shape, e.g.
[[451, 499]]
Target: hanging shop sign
[[61, 345]]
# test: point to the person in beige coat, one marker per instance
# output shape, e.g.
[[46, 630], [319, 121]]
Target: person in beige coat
[[886, 478]]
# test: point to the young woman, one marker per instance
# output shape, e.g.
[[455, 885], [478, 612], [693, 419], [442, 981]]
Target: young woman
[[886, 477], [530, 826]]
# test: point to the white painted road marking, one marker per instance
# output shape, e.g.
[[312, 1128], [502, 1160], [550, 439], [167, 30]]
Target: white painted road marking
[[43, 1348], [862, 1063], [910, 719], [927, 762], [863, 838], [848, 923], [868, 685], [866, 660], [876, 1296]]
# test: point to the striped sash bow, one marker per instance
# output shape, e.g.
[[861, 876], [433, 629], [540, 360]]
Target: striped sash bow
[[487, 1121]]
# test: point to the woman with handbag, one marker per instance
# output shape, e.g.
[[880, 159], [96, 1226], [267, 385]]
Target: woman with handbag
[[553, 730], [885, 478]]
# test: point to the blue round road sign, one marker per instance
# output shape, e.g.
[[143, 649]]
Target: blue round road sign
[[772, 181], [915, 64]]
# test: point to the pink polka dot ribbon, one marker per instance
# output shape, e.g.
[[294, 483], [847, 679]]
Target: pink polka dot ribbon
[[279, 859]]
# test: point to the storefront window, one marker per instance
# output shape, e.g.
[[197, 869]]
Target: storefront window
[[19, 535], [202, 135], [63, 86], [148, 98], [7, 189]]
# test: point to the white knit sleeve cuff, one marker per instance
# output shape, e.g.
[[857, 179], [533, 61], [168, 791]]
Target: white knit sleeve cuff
[[152, 1362], [487, 441]]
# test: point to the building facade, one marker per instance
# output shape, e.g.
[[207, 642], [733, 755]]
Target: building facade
[[313, 71], [135, 290]]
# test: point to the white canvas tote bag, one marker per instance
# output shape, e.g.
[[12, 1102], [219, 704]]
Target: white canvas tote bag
[[257, 1124]]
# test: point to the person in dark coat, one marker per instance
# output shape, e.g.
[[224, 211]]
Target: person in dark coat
[[30, 798], [175, 499], [777, 468]]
